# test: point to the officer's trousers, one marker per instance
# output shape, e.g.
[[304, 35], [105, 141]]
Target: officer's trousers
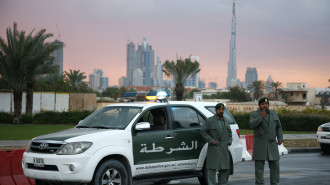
[[274, 168], [222, 176]]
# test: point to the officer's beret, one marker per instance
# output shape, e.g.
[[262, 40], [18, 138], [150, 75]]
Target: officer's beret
[[219, 105], [261, 100]]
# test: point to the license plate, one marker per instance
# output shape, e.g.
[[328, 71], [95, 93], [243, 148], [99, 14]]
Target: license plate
[[38, 162], [327, 136]]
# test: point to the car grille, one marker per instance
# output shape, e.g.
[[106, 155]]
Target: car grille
[[46, 146], [326, 129], [46, 167]]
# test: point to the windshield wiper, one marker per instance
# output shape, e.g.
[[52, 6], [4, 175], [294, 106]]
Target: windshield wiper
[[102, 127]]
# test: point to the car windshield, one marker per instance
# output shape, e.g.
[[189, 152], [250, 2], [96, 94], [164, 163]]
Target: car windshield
[[226, 114], [110, 117]]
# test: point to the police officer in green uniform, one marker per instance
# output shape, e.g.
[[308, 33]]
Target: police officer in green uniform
[[267, 127], [217, 133]]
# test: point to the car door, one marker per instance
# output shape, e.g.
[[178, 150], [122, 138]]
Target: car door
[[151, 148], [188, 140]]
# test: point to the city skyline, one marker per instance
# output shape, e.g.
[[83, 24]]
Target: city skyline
[[288, 40]]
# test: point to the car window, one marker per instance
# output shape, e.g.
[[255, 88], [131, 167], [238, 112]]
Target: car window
[[226, 114], [186, 117], [110, 117], [156, 117]]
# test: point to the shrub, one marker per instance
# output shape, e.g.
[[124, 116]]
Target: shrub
[[294, 121], [60, 117], [6, 117]]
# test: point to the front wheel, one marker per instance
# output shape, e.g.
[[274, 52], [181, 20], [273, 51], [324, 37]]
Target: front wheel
[[110, 172], [325, 148]]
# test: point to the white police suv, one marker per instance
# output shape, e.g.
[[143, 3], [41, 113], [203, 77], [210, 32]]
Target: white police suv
[[323, 137], [128, 143]]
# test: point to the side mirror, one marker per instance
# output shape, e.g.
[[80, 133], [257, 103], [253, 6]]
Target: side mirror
[[142, 126]]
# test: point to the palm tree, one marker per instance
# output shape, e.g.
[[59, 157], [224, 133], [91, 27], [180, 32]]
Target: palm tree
[[180, 72], [276, 85], [14, 54], [74, 78], [258, 88], [42, 54]]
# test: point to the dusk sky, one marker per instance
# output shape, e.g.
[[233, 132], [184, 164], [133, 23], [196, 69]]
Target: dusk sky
[[287, 39]]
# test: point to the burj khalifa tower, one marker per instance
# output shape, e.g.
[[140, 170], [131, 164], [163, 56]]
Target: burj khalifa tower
[[232, 70]]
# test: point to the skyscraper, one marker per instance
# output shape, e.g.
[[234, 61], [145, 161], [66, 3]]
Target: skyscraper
[[193, 81], [159, 73], [131, 62], [232, 70], [97, 81], [58, 56], [251, 75], [269, 82], [145, 60]]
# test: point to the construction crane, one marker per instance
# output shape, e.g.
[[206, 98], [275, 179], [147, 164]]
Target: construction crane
[[58, 33]]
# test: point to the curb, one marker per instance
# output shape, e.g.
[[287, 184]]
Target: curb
[[297, 150]]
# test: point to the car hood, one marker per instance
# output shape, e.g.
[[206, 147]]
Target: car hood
[[326, 125], [69, 133]]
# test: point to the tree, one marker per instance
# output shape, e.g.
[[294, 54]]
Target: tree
[[238, 94], [258, 88], [41, 54], [112, 92], [180, 71], [74, 78], [14, 54], [276, 85]]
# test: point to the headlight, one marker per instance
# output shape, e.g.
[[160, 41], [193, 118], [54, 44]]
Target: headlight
[[28, 147], [319, 129], [74, 148]]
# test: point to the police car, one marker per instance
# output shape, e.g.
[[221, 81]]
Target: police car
[[129, 143], [323, 137]]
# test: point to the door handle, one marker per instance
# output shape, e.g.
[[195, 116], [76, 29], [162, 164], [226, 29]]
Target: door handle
[[169, 137]]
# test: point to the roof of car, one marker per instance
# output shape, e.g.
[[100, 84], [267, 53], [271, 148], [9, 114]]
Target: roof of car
[[152, 103]]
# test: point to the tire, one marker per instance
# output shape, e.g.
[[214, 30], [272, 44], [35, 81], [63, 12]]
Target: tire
[[162, 182], [110, 172], [203, 179], [325, 148]]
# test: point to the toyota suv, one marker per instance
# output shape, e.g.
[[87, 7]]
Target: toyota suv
[[323, 137], [128, 143]]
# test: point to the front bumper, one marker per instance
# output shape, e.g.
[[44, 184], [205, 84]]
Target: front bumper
[[323, 137], [66, 168]]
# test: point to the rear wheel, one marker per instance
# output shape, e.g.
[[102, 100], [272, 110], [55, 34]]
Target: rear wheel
[[110, 172]]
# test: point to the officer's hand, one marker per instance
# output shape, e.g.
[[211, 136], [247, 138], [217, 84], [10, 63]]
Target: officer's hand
[[279, 142], [262, 114], [213, 142]]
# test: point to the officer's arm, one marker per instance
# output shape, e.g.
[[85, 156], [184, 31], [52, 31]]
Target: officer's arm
[[255, 120], [279, 132], [230, 134], [204, 132]]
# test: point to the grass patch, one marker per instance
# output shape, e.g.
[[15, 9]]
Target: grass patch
[[28, 131], [301, 143]]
